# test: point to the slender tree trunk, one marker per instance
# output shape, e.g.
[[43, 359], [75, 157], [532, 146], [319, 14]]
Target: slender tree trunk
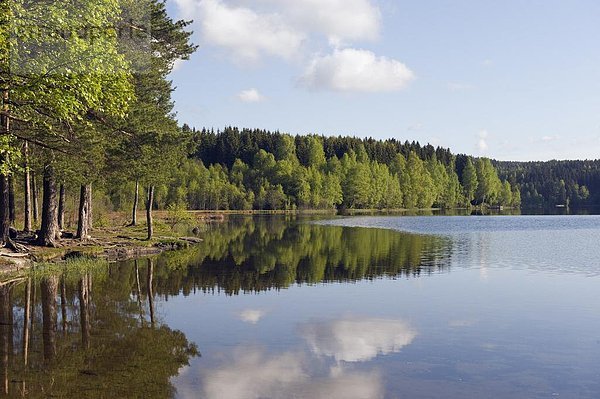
[[151, 290], [11, 200], [139, 290], [136, 199], [34, 195], [85, 212], [5, 334], [61, 207], [27, 189], [63, 305], [49, 316], [90, 208], [4, 208], [149, 202], [49, 229], [4, 211], [26, 325], [84, 310]]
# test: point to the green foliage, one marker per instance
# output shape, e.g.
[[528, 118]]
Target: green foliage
[[299, 175], [469, 181], [256, 254], [488, 183], [177, 214]]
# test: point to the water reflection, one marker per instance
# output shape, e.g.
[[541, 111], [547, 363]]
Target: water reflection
[[62, 336], [357, 340], [253, 373], [327, 370], [98, 332], [251, 316], [258, 254]]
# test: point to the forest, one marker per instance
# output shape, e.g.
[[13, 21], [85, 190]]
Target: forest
[[574, 184], [256, 169]]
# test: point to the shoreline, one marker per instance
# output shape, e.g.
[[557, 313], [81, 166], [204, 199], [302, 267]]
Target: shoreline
[[121, 242]]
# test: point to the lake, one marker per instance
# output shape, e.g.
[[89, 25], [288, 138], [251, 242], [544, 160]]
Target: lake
[[352, 307]]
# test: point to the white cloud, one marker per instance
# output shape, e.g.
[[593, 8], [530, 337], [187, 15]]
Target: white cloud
[[339, 20], [250, 29], [487, 63], [356, 70], [178, 64], [455, 86], [357, 340], [245, 34], [187, 8], [254, 374], [251, 316], [482, 144], [250, 96]]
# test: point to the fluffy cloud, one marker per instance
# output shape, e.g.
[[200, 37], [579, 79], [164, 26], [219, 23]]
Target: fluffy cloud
[[482, 144], [244, 33], [356, 70], [354, 340], [251, 29], [251, 316], [339, 20], [254, 374], [250, 96]]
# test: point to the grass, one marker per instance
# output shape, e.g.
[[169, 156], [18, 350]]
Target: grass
[[110, 234]]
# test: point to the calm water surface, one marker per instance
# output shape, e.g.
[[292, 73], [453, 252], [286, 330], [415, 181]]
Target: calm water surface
[[361, 307]]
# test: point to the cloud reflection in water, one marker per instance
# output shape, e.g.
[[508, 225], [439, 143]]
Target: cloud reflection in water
[[255, 374], [358, 340]]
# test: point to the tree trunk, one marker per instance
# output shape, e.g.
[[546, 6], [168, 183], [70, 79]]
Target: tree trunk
[[136, 199], [4, 208], [11, 200], [84, 310], [49, 229], [151, 290], [63, 305], [26, 325], [5, 334], [34, 194], [138, 289], [85, 212], [149, 202], [49, 314], [4, 211], [27, 189], [61, 208]]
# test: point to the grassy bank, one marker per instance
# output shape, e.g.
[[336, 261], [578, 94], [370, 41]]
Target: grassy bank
[[112, 238]]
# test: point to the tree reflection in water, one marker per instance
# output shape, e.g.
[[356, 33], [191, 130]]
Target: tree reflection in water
[[96, 333], [257, 254], [103, 350]]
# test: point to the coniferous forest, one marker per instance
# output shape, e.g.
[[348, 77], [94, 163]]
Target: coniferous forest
[[543, 185]]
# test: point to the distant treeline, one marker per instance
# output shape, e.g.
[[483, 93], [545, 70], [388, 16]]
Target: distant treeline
[[552, 183], [258, 169]]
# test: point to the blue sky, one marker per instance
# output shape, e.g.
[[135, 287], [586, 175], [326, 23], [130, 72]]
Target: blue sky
[[513, 80]]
